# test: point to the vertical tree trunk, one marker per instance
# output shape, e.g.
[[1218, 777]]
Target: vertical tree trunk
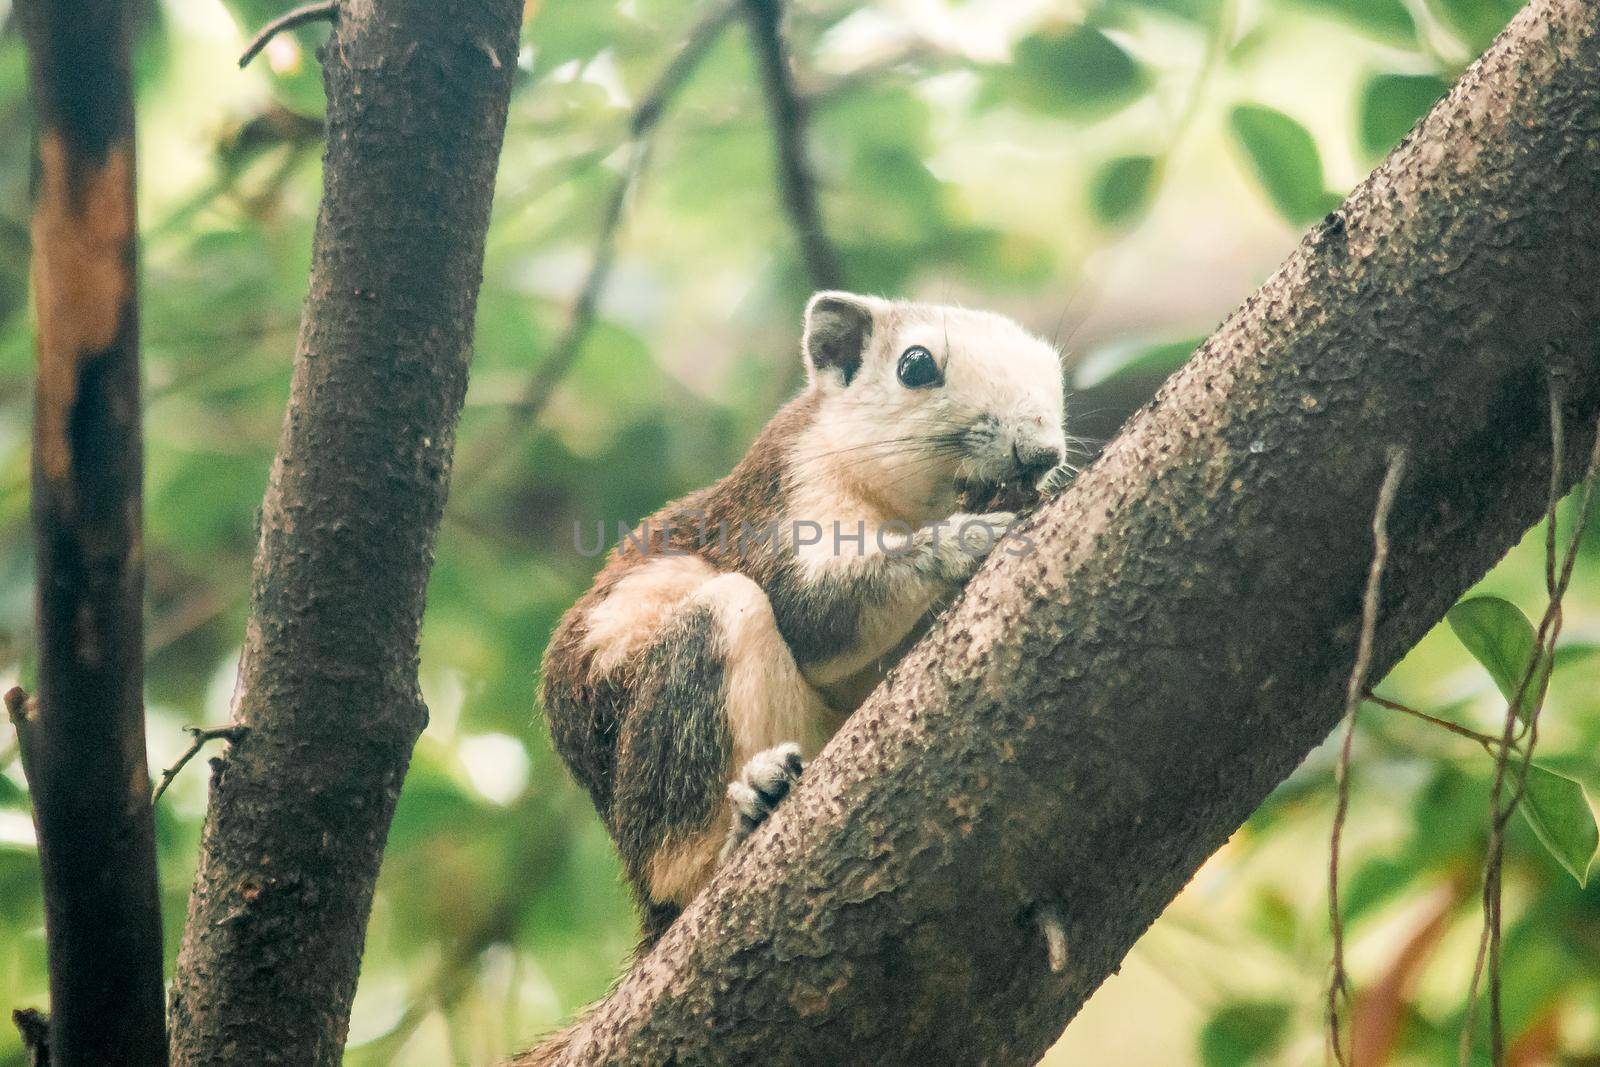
[[82, 737], [417, 96]]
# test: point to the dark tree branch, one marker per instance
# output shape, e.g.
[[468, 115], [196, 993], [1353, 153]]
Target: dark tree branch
[[796, 182], [325, 11], [1093, 719], [82, 743], [417, 97]]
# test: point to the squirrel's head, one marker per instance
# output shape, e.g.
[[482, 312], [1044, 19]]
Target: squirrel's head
[[917, 401]]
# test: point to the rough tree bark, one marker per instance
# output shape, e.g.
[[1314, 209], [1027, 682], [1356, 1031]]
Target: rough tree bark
[[1090, 722], [82, 737], [417, 96]]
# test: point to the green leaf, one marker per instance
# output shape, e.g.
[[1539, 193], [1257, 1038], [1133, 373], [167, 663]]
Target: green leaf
[[1500, 637], [1284, 157], [1122, 188], [1570, 654], [1391, 104], [1376, 882], [1135, 358], [1558, 810], [1273, 918], [1243, 1032], [1078, 72], [1446, 819], [1476, 22], [1386, 19], [11, 794]]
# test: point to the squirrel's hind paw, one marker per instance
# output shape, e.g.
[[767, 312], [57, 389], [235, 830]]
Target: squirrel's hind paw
[[760, 787]]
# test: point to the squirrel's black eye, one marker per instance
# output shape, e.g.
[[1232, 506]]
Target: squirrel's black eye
[[917, 369]]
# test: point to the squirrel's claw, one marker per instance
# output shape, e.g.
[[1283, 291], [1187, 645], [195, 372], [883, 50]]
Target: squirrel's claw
[[760, 787], [1056, 479]]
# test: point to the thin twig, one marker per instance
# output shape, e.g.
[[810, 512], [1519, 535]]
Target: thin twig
[[796, 181], [702, 35], [16, 702], [1558, 450], [189, 616], [324, 11], [1338, 985], [1557, 580], [1215, 50], [16, 705], [1489, 743], [1554, 617], [647, 115], [564, 353], [201, 734]]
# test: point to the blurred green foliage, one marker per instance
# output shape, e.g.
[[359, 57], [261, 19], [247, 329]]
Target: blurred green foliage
[[1122, 189], [1077, 72], [1386, 19], [1244, 1031], [1116, 173], [1390, 104], [1285, 159]]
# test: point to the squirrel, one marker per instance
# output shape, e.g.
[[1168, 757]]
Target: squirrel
[[731, 633]]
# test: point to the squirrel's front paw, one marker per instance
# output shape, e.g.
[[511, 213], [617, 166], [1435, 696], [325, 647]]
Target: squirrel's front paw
[[1056, 479], [965, 540], [761, 785]]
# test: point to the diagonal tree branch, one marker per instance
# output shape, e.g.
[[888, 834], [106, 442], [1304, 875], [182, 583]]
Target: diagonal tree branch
[[417, 97], [82, 740], [796, 182], [1095, 718]]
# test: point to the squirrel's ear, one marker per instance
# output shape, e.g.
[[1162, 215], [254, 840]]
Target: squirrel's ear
[[838, 326]]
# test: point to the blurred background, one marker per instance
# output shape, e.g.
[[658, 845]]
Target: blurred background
[[1117, 174]]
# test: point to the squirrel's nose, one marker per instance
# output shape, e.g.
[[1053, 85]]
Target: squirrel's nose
[[1034, 460]]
